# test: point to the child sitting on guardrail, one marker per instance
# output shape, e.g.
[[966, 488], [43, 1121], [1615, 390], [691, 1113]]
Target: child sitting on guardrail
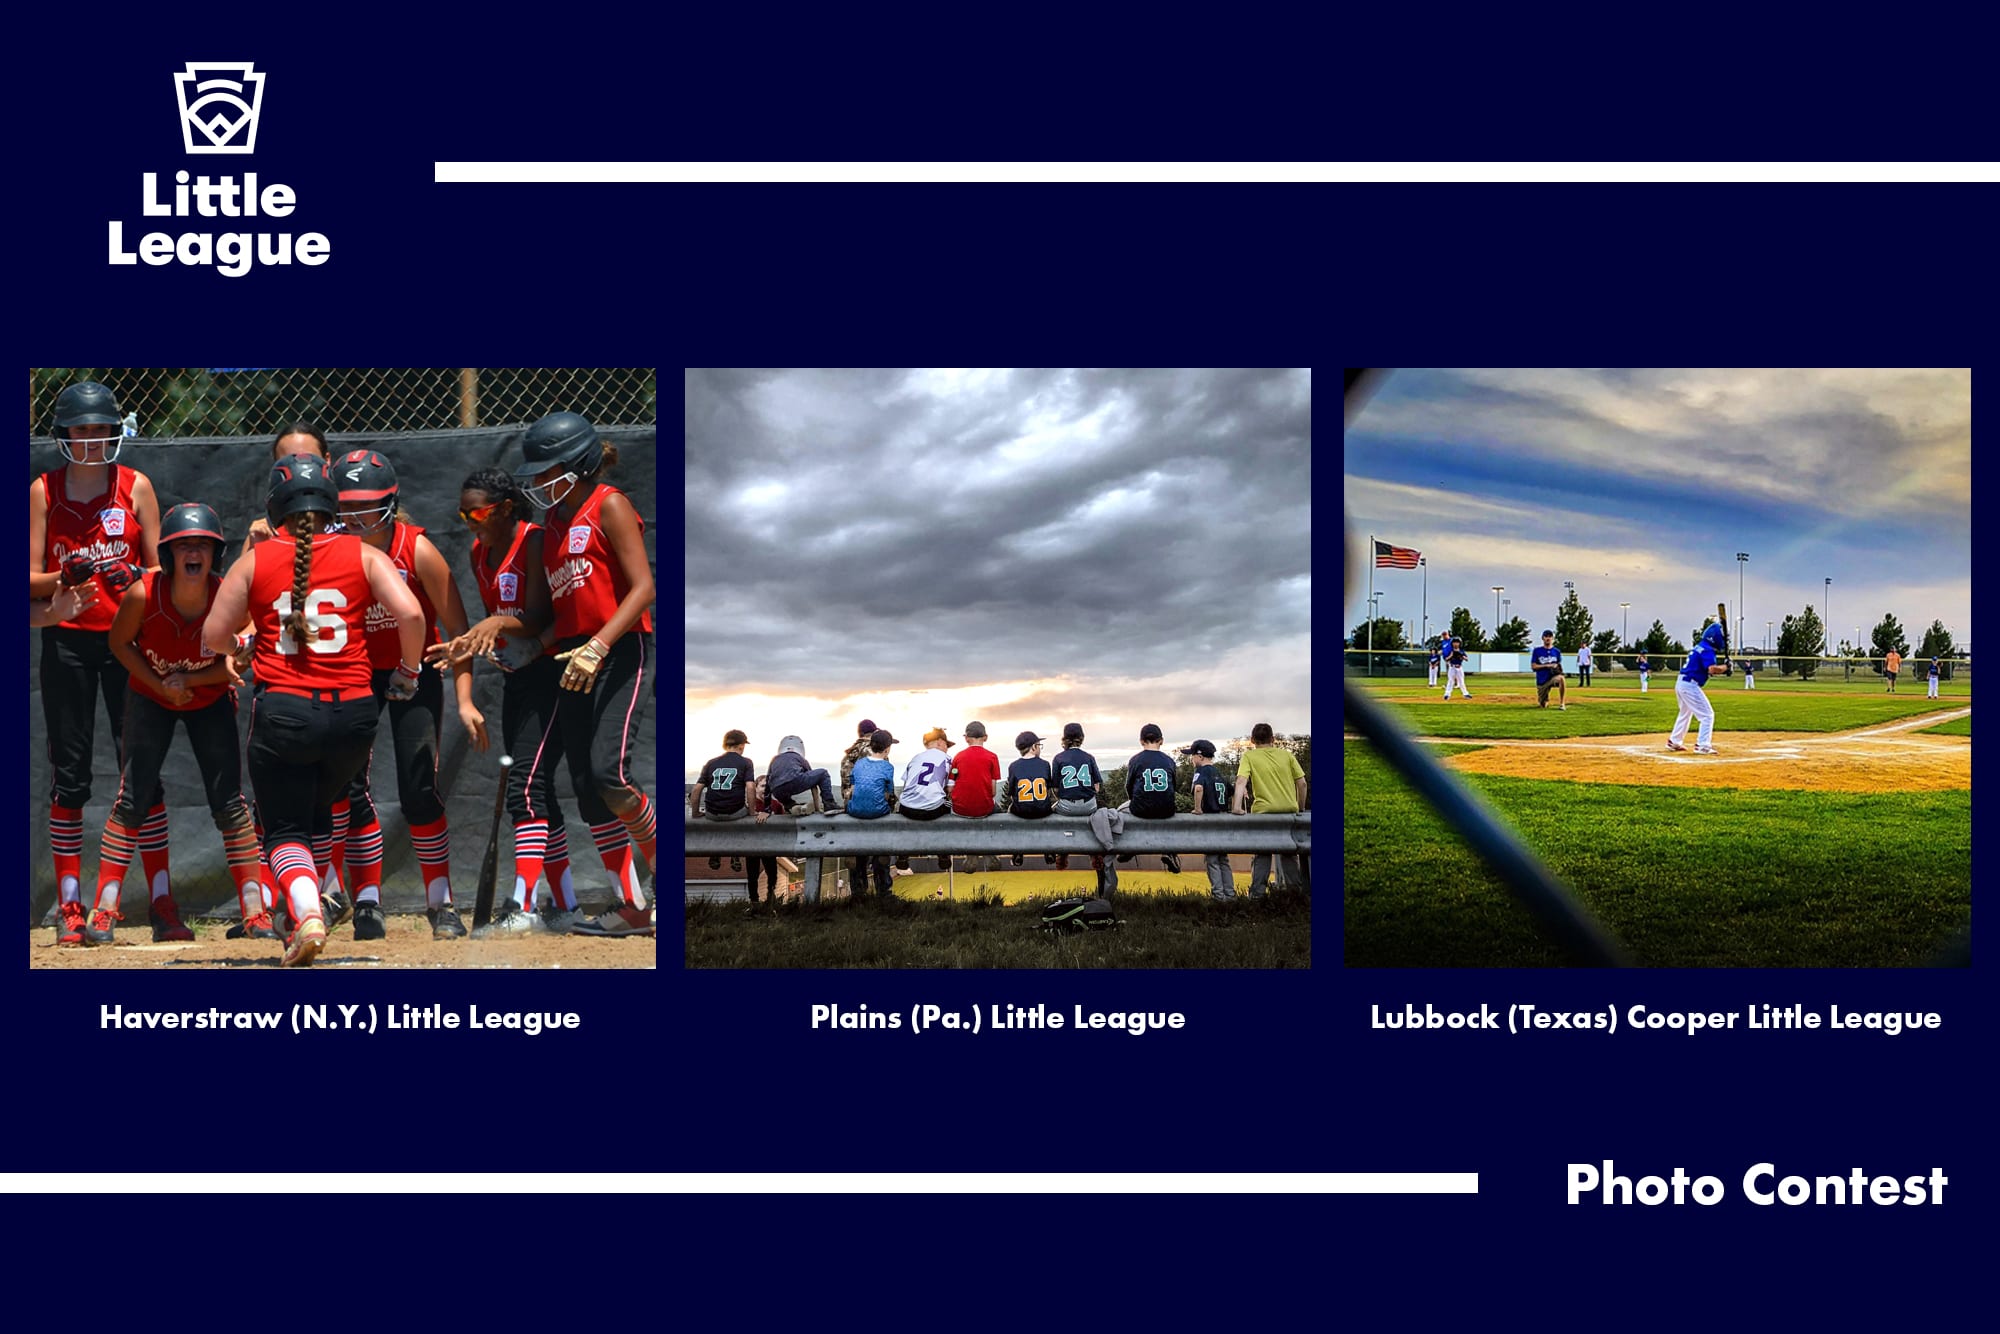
[[1277, 786], [723, 789], [1031, 786]]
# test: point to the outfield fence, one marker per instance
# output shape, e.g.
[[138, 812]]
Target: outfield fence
[[1407, 663]]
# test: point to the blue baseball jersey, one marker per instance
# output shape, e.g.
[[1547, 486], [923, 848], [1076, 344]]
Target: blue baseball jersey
[[1700, 659], [1934, 666], [1456, 655], [874, 776], [1644, 666], [1548, 664], [1076, 775]]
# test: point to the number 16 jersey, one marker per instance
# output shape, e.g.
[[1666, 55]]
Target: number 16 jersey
[[335, 657]]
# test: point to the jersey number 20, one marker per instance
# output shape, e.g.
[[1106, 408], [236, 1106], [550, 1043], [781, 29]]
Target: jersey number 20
[[317, 616]]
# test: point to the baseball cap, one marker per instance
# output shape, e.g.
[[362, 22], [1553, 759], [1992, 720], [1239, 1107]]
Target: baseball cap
[[881, 740], [867, 727], [734, 738], [936, 734], [1205, 749], [1025, 740], [1072, 731], [1548, 634], [977, 729], [1150, 732]]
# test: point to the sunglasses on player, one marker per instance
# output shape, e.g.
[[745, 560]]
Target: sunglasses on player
[[482, 514]]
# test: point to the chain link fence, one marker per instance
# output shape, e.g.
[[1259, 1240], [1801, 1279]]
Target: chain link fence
[[254, 400]]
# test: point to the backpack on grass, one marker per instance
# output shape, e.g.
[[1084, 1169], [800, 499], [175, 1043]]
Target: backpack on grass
[[1078, 914]]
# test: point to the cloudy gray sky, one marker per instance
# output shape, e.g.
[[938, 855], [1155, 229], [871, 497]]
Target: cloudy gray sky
[[1027, 547]]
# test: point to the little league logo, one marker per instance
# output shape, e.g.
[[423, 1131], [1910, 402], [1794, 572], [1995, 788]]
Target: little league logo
[[219, 102], [510, 587], [579, 539], [114, 522]]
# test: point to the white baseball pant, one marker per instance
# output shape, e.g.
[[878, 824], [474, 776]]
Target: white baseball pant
[[1693, 704], [1455, 676]]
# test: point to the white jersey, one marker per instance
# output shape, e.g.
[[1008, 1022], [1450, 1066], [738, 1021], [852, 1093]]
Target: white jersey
[[924, 779]]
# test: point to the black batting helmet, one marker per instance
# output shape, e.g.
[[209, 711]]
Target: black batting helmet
[[365, 477], [87, 403], [560, 440], [300, 485], [192, 520]]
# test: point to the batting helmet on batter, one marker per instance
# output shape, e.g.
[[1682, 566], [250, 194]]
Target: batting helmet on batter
[[563, 440], [299, 485], [366, 476], [1714, 634], [88, 403], [192, 520]]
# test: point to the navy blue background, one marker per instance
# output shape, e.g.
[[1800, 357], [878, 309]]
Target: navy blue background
[[719, 1071]]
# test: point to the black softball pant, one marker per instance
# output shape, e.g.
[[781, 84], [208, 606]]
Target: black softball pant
[[597, 729], [413, 726], [527, 705], [304, 752], [149, 732], [77, 667]]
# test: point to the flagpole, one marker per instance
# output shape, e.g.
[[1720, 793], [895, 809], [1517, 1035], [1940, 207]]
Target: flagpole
[[1426, 563], [1371, 604]]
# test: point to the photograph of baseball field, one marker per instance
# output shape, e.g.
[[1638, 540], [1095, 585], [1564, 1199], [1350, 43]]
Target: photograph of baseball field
[[1694, 686], [998, 668]]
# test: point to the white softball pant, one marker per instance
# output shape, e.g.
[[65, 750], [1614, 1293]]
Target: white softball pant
[[1693, 704], [1456, 677]]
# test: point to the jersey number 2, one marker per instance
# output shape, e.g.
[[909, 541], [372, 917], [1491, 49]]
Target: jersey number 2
[[318, 617]]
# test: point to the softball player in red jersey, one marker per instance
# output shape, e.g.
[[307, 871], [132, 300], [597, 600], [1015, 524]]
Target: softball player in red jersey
[[514, 590], [600, 585], [368, 510], [156, 636], [312, 719], [91, 520]]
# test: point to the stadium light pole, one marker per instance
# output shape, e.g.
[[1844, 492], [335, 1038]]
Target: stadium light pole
[[1826, 631], [1374, 613], [1741, 557], [1498, 589], [1626, 608], [1767, 636], [1506, 610]]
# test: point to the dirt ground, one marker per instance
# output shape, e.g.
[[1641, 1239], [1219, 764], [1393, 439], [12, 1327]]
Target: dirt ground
[[409, 945], [1889, 758]]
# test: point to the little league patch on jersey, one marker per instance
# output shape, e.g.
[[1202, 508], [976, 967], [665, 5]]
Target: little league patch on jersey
[[510, 587], [579, 539], [114, 522]]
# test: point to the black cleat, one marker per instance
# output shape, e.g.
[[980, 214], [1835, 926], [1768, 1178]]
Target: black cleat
[[369, 924], [445, 924]]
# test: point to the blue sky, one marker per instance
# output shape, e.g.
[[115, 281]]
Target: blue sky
[[1642, 485]]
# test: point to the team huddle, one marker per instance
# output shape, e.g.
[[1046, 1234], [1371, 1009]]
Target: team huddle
[[934, 782], [341, 609]]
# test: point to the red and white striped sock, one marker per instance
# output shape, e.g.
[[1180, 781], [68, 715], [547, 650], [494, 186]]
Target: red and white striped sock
[[364, 860], [292, 864], [433, 847], [531, 842], [342, 811], [615, 847], [113, 859], [153, 850], [239, 847], [556, 867], [644, 827], [66, 844]]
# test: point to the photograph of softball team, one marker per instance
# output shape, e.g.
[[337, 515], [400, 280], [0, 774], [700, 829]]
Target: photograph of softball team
[[339, 608]]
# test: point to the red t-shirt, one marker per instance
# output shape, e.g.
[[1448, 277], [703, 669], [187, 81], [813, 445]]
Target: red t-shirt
[[586, 582], [171, 643], [501, 589], [337, 605], [105, 528], [385, 647], [975, 770]]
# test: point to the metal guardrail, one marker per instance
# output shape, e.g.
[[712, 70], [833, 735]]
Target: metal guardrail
[[812, 838]]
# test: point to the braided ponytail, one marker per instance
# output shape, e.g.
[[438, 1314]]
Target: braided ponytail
[[301, 580]]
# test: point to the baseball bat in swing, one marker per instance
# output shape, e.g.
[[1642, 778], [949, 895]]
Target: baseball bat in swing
[[1722, 619], [489, 865]]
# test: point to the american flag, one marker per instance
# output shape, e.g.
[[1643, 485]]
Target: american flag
[[1395, 558]]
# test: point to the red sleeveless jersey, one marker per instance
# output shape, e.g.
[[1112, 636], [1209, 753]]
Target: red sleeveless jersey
[[500, 589], [337, 605], [385, 649], [170, 642], [105, 528], [586, 581]]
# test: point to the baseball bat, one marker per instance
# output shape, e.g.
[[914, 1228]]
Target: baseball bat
[[489, 865], [1722, 619]]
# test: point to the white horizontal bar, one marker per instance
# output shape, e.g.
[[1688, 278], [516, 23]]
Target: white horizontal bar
[[1337, 173], [752, 1183]]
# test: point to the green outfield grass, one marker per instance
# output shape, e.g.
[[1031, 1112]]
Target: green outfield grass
[[1020, 886], [1503, 706], [1956, 727], [1685, 877]]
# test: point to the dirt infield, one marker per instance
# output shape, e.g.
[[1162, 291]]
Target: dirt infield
[[409, 945], [1888, 758]]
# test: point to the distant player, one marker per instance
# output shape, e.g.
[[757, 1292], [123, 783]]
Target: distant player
[[1933, 678], [1548, 664], [1583, 664], [1454, 657], [1436, 658], [1749, 674], [1645, 672], [1890, 666], [1691, 690]]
